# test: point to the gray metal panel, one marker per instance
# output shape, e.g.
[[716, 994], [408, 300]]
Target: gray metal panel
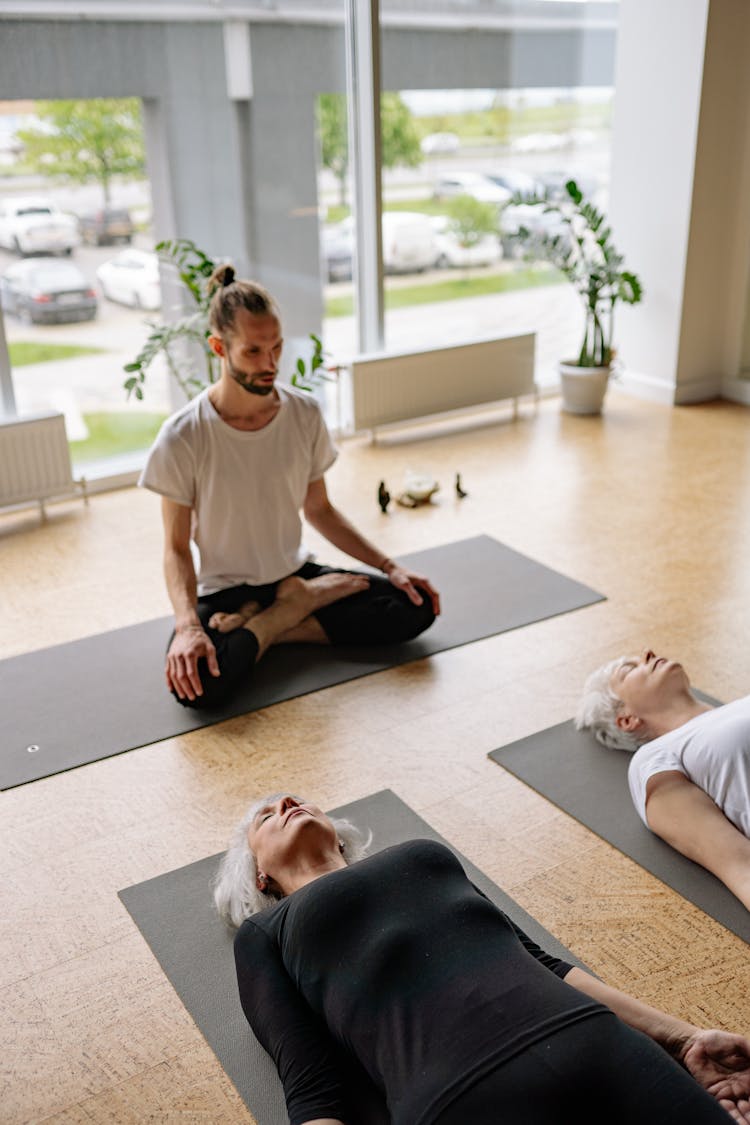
[[424, 59], [91, 59]]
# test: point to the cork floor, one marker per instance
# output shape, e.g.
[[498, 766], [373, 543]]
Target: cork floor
[[649, 505]]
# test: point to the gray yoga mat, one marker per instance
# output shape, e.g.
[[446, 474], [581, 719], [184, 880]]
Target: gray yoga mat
[[175, 914], [75, 703], [589, 781]]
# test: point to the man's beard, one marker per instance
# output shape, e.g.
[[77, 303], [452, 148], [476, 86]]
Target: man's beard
[[252, 388]]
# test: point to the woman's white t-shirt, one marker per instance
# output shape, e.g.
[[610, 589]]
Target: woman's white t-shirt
[[713, 751], [246, 487]]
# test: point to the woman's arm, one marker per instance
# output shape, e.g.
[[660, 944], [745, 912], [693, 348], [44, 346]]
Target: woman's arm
[[688, 819], [308, 1061], [718, 1060], [668, 1031]]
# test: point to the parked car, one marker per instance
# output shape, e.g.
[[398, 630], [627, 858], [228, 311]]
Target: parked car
[[107, 225], [46, 290], [532, 218], [440, 143], [34, 225], [337, 245], [409, 244], [486, 252], [539, 142], [516, 182], [131, 278], [471, 183], [554, 182]]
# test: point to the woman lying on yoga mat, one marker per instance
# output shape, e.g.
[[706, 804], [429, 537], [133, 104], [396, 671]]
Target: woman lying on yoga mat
[[690, 773], [455, 1014]]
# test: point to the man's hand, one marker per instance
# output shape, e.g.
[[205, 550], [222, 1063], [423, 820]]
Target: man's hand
[[720, 1062], [408, 581], [188, 645]]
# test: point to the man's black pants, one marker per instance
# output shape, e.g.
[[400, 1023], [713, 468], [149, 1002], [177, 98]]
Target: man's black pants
[[376, 616]]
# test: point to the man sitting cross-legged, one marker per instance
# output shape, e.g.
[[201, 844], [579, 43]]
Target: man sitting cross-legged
[[234, 468]]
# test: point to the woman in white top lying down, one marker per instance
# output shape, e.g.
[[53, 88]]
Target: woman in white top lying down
[[690, 772]]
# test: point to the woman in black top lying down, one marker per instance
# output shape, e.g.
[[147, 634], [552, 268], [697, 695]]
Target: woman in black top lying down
[[454, 1013]]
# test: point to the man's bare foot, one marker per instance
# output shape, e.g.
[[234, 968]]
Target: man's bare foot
[[296, 600], [321, 591], [227, 622]]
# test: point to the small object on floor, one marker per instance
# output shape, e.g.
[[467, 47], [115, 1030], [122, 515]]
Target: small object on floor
[[407, 501], [419, 487], [384, 497], [459, 490]]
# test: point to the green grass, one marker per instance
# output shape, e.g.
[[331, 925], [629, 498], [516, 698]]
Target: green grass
[[454, 289], [503, 123], [428, 206], [113, 433], [23, 352]]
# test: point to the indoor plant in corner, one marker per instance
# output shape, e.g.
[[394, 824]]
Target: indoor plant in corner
[[584, 252]]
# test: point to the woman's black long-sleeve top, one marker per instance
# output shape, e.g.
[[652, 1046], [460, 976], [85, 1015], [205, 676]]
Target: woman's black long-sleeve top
[[401, 961]]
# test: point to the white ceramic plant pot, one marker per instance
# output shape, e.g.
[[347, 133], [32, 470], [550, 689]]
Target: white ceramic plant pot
[[583, 388]]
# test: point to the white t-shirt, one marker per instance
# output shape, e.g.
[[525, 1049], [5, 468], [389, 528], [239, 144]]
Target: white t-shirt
[[246, 487], [713, 751]]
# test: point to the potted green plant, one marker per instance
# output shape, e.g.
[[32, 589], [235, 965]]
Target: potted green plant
[[169, 339], [582, 250]]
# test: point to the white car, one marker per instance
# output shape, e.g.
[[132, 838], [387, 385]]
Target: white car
[[486, 252], [35, 225], [409, 244], [471, 183], [519, 183], [131, 278], [435, 143]]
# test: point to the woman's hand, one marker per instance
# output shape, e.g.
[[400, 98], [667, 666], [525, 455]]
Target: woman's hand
[[720, 1062]]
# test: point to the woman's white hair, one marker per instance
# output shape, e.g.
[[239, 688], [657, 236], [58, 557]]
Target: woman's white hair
[[599, 708], [236, 894]]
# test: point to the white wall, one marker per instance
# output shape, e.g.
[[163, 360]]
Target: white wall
[[681, 191]]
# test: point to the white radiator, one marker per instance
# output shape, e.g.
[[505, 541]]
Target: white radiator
[[398, 387], [35, 460]]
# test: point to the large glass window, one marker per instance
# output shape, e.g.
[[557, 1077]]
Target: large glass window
[[250, 159], [79, 274], [517, 110]]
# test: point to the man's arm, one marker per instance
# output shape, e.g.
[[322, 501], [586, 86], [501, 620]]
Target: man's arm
[[333, 524], [190, 641], [688, 819]]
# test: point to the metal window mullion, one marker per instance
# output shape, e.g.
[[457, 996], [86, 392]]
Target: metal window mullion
[[7, 395], [363, 96]]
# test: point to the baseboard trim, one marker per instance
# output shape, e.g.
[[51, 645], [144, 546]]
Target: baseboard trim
[[672, 394], [736, 390], [645, 386]]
